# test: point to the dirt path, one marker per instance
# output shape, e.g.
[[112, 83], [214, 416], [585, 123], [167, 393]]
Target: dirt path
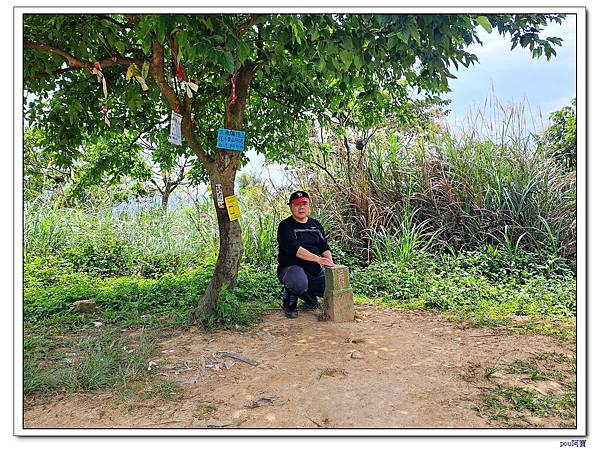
[[392, 368]]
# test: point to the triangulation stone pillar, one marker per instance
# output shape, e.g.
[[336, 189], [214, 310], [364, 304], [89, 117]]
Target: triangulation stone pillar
[[337, 300]]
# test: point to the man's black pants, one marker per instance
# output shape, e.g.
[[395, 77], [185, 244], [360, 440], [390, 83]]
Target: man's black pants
[[299, 283]]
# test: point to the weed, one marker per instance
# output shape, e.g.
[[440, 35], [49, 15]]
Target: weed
[[528, 367], [489, 371], [513, 405], [563, 331], [205, 409], [472, 371], [165, 390]]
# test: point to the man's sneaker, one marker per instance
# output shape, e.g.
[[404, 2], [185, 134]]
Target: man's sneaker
[[291, 314]]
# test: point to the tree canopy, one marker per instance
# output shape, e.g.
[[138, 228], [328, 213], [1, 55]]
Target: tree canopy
[[561, 136]]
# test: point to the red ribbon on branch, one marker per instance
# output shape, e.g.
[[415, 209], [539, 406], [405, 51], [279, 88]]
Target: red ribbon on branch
[[105, 111], [97, 70], [233, 80], [178, 69]]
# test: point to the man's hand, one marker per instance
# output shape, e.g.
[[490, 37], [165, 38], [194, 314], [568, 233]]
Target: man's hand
[[326, 261], [327, 255]]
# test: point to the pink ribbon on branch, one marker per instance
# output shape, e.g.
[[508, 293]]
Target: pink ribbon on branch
[[97, 70]]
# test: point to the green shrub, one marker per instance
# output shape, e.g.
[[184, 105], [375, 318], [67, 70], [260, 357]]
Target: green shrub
[[45, 271], [102, 256], [403, 281], [466, 284], [56, 302], [128, 299], [229, 313], [497, 264], [255, 292], [156, 265]]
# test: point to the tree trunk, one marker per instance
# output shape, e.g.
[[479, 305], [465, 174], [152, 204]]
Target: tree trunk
[[164, 201], [230, 255], [230, 233]]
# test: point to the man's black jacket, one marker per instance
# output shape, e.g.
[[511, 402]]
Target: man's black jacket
[[292, 234]]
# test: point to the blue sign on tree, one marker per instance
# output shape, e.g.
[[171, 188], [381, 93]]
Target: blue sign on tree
[[230, 139]]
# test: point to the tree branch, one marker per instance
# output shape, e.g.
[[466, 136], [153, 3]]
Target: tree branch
[[145, 130], [182, 171], [40, 75], [157, 186], [123, 26], [157, 70], [244, 27], [71, 60], [324, 169], [76, 63], [173, 186], [297, 112], [187, 101], [262, 57]]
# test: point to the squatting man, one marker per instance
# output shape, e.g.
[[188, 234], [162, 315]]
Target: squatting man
[[303, 249]]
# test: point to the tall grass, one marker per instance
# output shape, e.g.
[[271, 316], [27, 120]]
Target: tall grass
[[485, 186], [146, 240], [401, 241]]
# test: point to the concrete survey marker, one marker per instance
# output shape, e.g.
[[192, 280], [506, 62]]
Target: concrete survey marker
[[337, 300]]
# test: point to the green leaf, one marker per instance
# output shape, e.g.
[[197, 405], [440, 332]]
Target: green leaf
[[227, 62], [347, 56], [485, 23], [146, 45], [160, 30], [391, 42], [414, 32], [182, 38], [358, 61], [145, 68], [403, 36], [120, 46], [245, 50]]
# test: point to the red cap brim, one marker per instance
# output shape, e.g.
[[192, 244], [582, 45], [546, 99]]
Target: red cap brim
[[298, 200]]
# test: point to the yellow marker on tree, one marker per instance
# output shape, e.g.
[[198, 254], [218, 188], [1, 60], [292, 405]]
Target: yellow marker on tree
[[232, 207]]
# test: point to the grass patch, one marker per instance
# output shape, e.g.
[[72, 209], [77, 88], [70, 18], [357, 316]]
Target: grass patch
[[464, 288], [511, 395], [64, 351], [87, 363], [563, 330], [165, 390], [517, 399]]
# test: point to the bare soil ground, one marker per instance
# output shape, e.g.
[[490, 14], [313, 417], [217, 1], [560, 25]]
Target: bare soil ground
[[391, 368]]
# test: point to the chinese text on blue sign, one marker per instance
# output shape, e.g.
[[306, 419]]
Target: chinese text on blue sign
[[230, 139]]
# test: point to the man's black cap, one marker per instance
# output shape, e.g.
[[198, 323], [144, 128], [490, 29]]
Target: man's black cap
[[297, 195]]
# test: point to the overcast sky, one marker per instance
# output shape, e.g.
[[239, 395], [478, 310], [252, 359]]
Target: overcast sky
[[514, 77]]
